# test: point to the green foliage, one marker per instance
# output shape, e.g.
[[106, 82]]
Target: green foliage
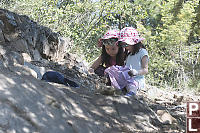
[[171, 29]]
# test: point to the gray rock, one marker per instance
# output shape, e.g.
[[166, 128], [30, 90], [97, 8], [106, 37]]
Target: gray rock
[[11, 58], [39, 70], [20, 46], [1, 24], [2, 40], [11, 37], [36, 55], [26, 57]]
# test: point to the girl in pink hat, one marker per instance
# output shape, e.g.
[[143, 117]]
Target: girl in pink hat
[[137, 57], [111, 54]]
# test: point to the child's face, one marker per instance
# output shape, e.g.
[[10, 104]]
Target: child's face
[[129, 48], [126, 46], [112, 50]]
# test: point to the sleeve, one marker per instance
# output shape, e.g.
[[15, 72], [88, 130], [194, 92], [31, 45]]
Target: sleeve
[[143, 53]]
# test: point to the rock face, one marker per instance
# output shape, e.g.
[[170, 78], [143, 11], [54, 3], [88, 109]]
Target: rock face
[[30, 105], [19, 33]]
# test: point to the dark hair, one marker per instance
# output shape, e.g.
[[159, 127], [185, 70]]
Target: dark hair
[[137, 47], [106, 57]]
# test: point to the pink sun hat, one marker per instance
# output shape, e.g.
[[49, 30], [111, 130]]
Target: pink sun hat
[[130, 36], [109, 34]]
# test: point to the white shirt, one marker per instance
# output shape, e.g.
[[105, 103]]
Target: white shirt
[[135, 62]]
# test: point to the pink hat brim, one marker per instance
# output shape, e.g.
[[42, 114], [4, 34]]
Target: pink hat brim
[[131, 41]]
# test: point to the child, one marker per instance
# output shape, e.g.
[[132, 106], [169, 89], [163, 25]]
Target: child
[[137, 58], [112, 54]]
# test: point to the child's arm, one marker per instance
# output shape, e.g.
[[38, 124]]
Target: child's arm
[[96, 64], [144, 64], [143, 71]]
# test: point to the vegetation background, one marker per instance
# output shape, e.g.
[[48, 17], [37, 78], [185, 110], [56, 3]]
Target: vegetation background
[[171, 29]]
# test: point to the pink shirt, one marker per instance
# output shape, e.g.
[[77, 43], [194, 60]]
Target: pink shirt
[[112, 63]]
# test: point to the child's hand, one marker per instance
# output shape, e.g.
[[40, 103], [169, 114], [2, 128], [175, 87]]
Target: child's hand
[[133, 72]]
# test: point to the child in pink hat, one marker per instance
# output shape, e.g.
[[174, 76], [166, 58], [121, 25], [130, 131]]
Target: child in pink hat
[[111, 54], [137, 58]]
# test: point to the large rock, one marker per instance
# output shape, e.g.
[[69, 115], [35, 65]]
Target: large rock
[[25, 36], [31, 105]]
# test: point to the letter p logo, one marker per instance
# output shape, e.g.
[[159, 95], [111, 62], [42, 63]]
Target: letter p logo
[[193, 107]]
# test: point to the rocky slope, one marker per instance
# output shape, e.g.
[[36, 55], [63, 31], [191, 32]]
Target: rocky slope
[[28, 104]]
